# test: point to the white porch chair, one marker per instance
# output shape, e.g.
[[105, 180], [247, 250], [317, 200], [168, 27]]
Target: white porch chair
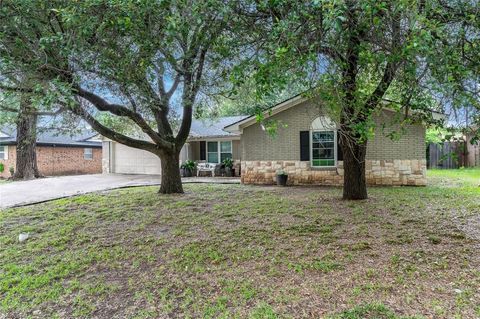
[[206, 167]]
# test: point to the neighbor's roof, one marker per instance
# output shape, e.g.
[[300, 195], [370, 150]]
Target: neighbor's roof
[[213, 127], [8, 136]]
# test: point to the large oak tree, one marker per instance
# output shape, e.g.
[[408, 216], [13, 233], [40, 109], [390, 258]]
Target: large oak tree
[[141, 61], [413, 55]]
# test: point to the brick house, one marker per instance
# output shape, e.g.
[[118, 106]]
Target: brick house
[[207, 142], [306, 148], [57, 154]]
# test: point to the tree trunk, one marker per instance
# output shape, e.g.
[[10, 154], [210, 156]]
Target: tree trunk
[[171, 179], [26, 162], [354, 181]]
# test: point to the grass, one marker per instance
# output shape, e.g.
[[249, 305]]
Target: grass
[[233, 251], [455, 177]]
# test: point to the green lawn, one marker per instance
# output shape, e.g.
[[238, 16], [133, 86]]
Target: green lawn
[[233, 251], [455, 177]]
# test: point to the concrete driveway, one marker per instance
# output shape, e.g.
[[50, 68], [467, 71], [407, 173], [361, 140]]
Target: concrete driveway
[[40, 190], [44, 189]]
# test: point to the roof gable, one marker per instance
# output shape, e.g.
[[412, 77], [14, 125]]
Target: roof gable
[[275, 109]]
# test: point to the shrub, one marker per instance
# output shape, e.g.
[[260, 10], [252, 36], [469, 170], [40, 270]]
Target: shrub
[[228, 162], [190, 165], [2, 167]]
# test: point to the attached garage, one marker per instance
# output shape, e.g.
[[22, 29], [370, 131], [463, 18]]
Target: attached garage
[[128, 160], [121, 159]]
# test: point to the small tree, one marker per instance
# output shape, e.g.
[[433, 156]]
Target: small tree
[[139, 61]]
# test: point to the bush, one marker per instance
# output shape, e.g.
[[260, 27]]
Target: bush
[[190, 165], [228, 162], [2, 167]]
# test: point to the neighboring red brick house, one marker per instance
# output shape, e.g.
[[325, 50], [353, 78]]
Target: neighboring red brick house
[[56, 154]]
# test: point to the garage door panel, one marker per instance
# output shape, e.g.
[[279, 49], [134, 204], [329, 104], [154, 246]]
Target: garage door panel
[[128, 160]]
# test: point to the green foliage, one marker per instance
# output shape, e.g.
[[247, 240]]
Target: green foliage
[[435, 135], [362, 58], [228, 162], [189, 164], [373, 311], [2, 167], [128, 68]]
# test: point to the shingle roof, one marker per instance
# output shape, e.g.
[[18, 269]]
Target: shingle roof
[[52, 137], [207, 128], [213, 127]]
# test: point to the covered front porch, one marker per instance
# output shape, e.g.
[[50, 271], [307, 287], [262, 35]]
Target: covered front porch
[[214, 151]]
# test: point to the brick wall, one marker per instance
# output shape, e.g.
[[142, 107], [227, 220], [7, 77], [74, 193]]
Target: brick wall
[[257, 145], [59, 161], [12, 157]]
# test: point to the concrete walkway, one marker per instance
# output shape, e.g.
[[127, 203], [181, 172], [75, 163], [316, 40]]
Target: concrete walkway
[[30, 192]]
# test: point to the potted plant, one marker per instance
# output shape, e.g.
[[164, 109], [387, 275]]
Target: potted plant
[[282, 178], [228, 167], [189, 167], [182, 170]]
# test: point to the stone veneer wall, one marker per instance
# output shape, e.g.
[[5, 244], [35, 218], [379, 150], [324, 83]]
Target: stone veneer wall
[[378, 172]]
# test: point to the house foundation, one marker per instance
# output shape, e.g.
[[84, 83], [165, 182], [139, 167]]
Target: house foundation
[[378, 172]]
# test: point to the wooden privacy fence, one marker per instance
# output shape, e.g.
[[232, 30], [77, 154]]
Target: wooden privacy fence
[[446, 155]]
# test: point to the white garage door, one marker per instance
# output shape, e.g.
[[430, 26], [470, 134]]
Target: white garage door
[[128, 160]]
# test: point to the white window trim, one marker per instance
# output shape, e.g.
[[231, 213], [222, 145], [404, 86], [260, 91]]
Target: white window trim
[[5, 152], [219, 152], [334, 148], [335, 142], [84, 153]]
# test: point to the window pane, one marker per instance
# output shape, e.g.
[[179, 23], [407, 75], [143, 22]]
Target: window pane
[[327, 145], [323, 162], [226, 147], [323, 148], [224, 156], [212, 146], [326, 153], [88, 153], [323, 136], [212, 157]]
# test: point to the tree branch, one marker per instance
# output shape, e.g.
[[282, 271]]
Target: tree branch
[[15, 89], [121, 110], [117, 137]]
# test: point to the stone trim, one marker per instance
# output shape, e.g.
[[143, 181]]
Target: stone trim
[[378, 172]]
